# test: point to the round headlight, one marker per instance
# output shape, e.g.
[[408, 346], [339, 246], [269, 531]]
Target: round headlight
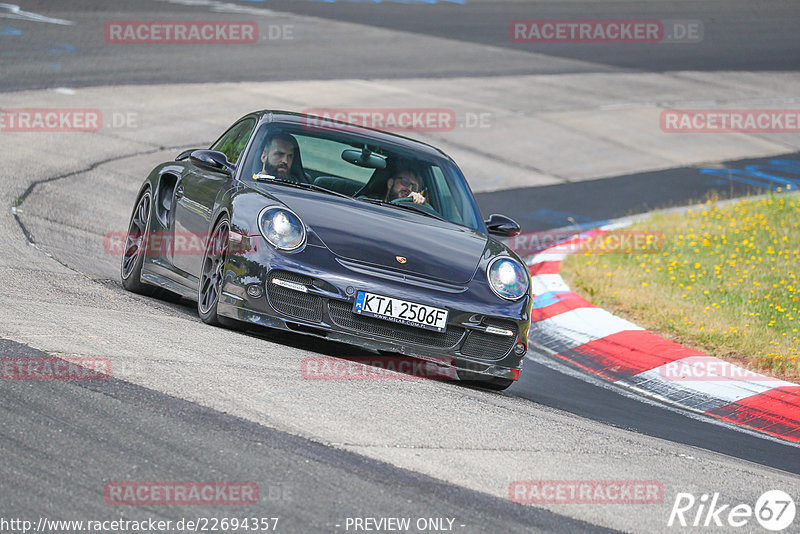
[[508, 278], [282, 228]]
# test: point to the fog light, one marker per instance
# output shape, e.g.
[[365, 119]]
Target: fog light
[[254, 290], [520, 348]]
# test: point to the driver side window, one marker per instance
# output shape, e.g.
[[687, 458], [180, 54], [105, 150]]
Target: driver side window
[[233, 141]]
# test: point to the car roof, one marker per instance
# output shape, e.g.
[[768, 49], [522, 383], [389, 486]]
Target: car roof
[[330, 125]]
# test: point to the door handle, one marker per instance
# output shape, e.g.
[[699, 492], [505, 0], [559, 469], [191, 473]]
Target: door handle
[[179, 192]]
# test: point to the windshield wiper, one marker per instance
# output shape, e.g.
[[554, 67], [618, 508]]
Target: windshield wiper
[[408, 206], [303, 185]]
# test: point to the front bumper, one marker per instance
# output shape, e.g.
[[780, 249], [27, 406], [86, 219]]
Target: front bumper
[[324, 309]]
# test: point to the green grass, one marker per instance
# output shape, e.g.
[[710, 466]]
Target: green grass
[[726, 281]]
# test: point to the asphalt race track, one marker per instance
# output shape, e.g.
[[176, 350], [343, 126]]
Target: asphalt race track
[[554, 135]]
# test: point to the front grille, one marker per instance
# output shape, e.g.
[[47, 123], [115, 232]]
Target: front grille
[[342, 314], [490, 346], [291, 302]]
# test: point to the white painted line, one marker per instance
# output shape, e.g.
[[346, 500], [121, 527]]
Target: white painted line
[[545, 283], [617, 225], [711, 377], [546, 256], [14, 12], [582, 325], [626, 390]]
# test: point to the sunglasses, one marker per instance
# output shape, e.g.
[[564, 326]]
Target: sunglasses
[[411, 184]]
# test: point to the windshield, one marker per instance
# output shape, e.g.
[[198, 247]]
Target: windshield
[[362, 168]]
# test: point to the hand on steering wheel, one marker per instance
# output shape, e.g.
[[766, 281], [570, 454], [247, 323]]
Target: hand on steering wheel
[[413, 198], [423, 206], [418, 198]]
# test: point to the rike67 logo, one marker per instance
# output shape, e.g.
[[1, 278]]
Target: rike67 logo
[[774, 510]]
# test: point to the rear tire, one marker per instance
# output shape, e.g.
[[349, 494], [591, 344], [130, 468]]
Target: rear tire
[[136, 243], [136, 249]]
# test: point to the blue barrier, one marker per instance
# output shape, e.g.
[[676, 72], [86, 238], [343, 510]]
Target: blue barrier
[[762, 175]]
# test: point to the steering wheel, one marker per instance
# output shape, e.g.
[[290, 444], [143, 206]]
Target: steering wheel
[[408, 201]]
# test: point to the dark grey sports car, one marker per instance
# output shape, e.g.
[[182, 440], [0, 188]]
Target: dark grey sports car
[[333, 230]]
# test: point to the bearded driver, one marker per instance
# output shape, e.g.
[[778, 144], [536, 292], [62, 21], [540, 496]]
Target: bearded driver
[[278, 156]]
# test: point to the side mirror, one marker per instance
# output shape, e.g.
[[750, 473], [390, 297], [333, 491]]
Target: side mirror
[[212, 160], [185, 154], [501, 225]]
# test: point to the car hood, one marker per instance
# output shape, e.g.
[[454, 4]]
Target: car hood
[[395, 238]]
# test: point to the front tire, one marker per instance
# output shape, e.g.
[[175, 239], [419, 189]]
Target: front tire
[[213, 272]]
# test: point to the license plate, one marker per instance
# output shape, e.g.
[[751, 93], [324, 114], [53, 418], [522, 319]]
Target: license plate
[[400, 311]]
